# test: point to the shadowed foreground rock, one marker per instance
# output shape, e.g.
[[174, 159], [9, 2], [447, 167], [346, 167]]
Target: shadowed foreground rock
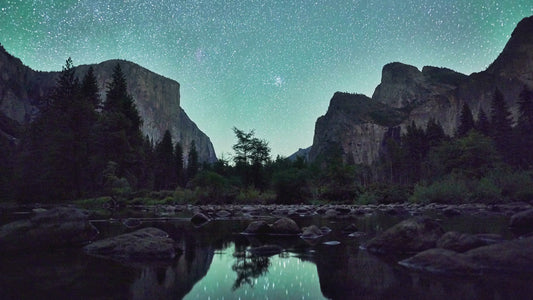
[[441, 261], [460, 242], [311, 232], [199, 219], [522, 222], [285, 226], [258, 227], [57, 227], [514, 256], [147, 244], [412, 235]]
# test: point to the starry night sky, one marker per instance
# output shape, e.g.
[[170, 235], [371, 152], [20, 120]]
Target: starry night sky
[[271, 66]]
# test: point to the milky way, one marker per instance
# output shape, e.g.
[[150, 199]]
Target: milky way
[[271, 66]]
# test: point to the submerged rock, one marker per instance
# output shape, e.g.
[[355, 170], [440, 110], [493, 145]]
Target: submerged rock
[[131, 222], [223, 213], [412, 235], [510, 256], [199, 219], [325, 230], [145, 244], [459, 242], [349, 229], [57, 227], [441, 261], [514, 256], [311, 232], [332, 243]]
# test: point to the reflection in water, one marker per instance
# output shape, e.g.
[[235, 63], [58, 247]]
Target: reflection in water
[[215, 264], [248, 267], [276, 277], [175, 281]]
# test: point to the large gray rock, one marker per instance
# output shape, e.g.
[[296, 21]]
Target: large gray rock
[[441, 261], [412, 235], [522, 221], [147, 244], [199, 219], [258, 227], [311, 232], [57, 227], [285, 226], [510, 256], [459, 242]]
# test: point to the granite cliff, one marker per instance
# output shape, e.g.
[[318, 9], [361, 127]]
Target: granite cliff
[[356, 125], [157, 99]]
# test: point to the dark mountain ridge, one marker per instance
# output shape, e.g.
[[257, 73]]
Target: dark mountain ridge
[[357, 124]]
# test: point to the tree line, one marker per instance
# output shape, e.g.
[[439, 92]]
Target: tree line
[[81, 146]]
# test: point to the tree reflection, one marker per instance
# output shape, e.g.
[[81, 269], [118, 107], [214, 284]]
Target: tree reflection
[[248, 267]]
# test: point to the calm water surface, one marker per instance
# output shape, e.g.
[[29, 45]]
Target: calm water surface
[[216, 265]]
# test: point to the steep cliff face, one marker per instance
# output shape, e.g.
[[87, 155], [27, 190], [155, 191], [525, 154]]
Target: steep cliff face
[[156, 97], [353, 127], [403, 85], [413, 95]]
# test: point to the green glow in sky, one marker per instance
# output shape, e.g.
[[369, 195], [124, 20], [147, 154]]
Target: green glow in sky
[[271, 66]]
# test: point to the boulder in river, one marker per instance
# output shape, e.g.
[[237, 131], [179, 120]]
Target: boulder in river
[[411, 235], [510, 256], [258, 227], [53, 228], [311, 232], [514, 256], [439, 260], [147, 244], [459, 242], [199, 219], [285, 226], [522, 222]]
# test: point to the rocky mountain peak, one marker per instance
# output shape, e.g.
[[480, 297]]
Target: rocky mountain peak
[[516, 59], [405, 86]]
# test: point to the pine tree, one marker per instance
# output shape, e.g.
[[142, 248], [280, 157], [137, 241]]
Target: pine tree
[[178, 158], [501, 121], [55, 152], [119, 131], [482, 123], [415, 147], [524, 131], [192, 162], [466, 121], [89, 88], [525, 106], [434, 133], [165, 176]]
